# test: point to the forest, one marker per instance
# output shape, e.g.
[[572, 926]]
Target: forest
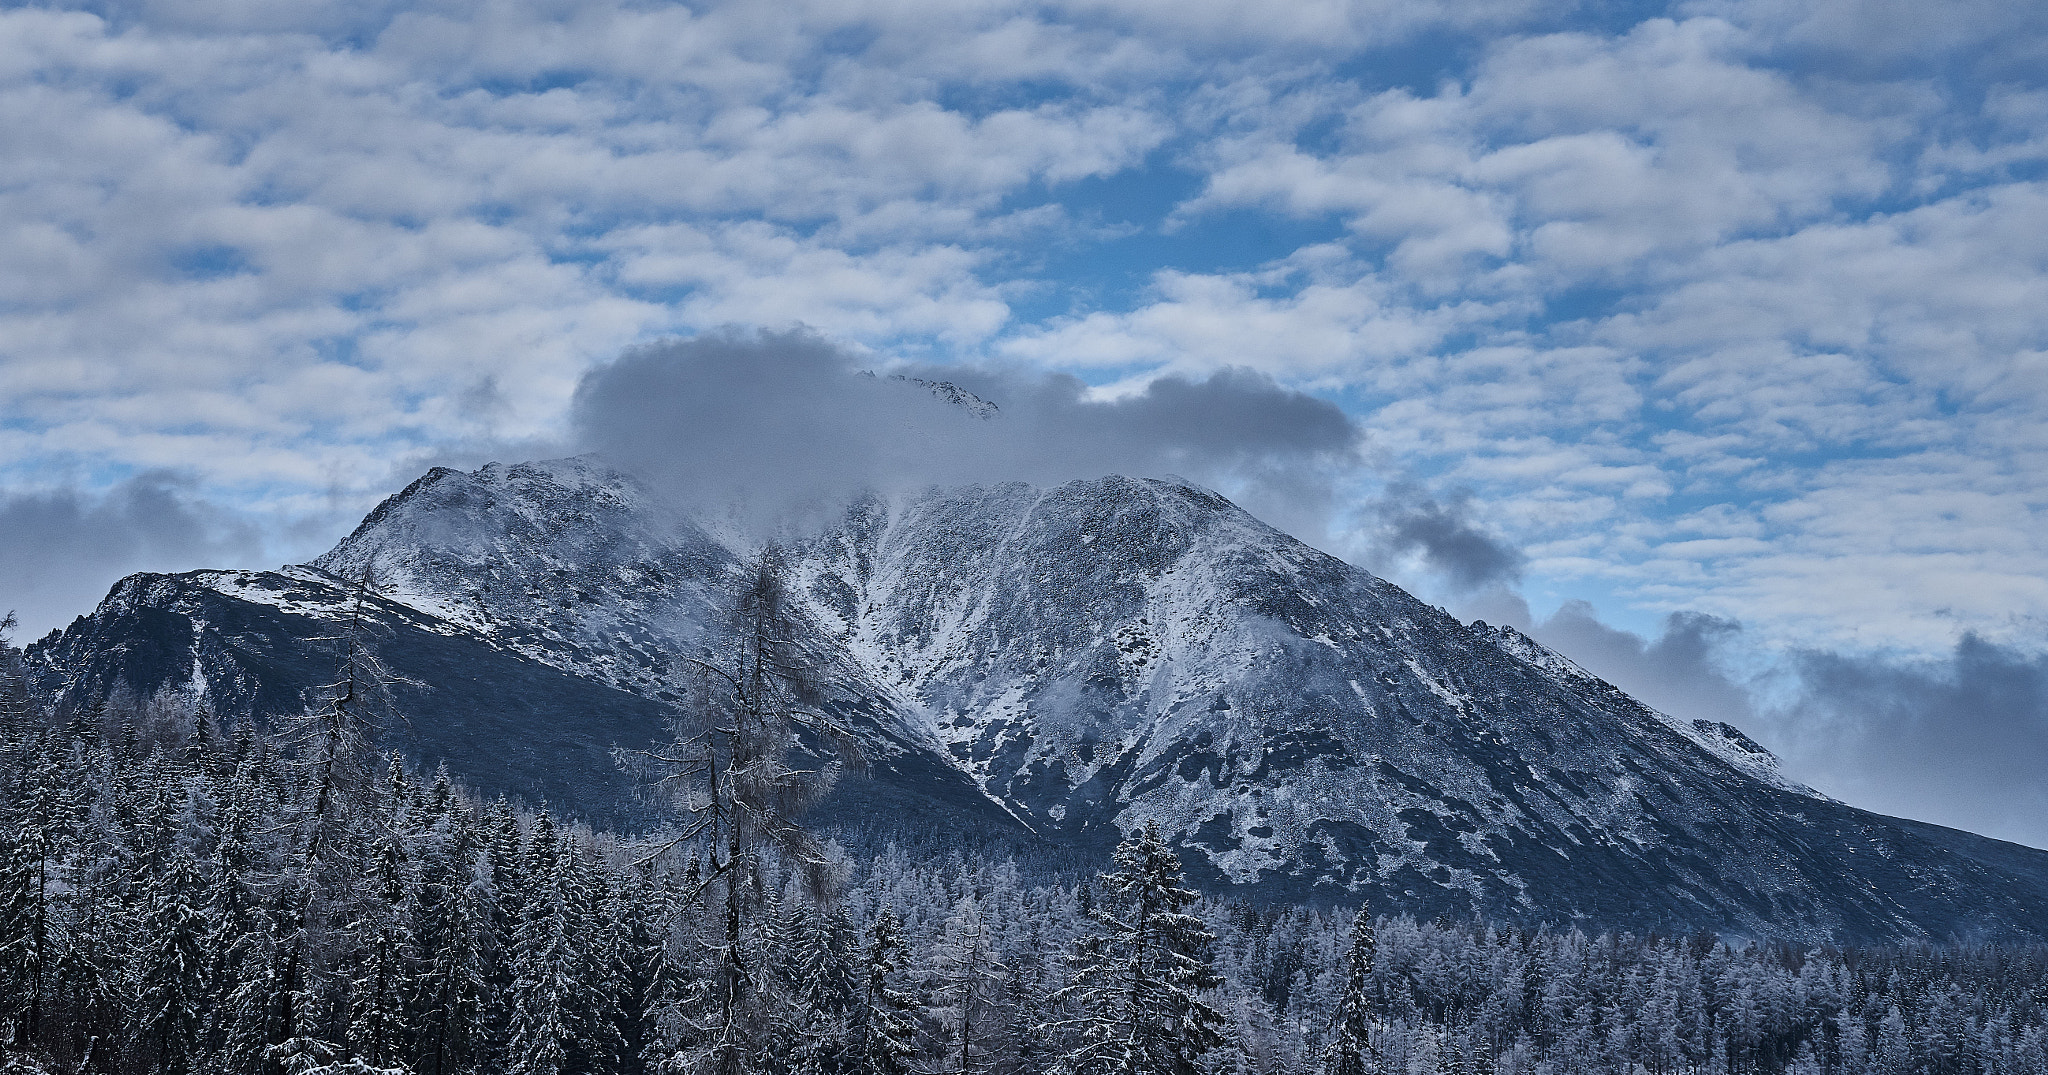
[[179, 897]]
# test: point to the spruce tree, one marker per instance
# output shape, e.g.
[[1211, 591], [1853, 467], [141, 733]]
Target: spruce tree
[[1136, 998], [543, 966], [598, 1012], [174, 987], [884, 1031], [383, 973], [451, 991], [1352, 1051], [31, 831]]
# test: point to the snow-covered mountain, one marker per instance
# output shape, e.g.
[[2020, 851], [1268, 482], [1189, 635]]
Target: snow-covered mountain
[[1074, 661]]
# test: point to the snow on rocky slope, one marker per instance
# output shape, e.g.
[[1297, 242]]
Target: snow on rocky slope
[[1081, 659]]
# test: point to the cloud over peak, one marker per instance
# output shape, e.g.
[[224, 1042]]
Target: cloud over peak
[[786, 421]]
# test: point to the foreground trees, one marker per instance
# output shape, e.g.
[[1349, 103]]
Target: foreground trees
[[1352, 1051]]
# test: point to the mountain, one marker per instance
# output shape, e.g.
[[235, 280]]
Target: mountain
[[1066, 663]]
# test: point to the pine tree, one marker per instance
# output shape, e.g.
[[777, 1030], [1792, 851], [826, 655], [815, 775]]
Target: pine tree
[[174, 986], [1136, 995], [543, 964], [1352, 1052], [884, 1032]]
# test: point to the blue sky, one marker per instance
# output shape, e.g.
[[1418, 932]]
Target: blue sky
[[1732, 309]]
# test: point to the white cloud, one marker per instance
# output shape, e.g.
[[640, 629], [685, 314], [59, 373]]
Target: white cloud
[[311, 235], [1710, 310]]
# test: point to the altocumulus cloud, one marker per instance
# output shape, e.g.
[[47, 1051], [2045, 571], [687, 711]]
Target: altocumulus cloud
[[1731, 305]]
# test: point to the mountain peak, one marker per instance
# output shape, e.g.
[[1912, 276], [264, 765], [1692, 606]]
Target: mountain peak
[[1106, 653]]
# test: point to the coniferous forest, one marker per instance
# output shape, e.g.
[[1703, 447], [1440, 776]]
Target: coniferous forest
[[180, 897]]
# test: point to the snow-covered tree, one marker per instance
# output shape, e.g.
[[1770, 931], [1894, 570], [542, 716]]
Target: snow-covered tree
[[172, 981], [30, 832], [451, 989], [1351, 1050], [186, 930], [383, 972], [543, 968], [884, 1030], [1136, 1004], [968, 976], [729, 776]]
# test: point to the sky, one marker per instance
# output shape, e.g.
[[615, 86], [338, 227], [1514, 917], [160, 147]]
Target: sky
[[1708, 341]]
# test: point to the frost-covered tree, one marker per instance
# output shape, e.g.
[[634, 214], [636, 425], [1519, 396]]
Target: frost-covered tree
[[451, 989], [332, 738], [1136, 1004], [543, 968], [729, 774], [884, 1029], [25, 897], [178, 885], [1351, 1050], [968, 976], [383, 973], [172, 981]]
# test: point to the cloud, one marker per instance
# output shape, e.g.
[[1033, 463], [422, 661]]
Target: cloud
[[787, 422], [1733, 306], [1682, 671], [1959, 741], [1443, 534], [1899, 38], [1587, 156], [61, 551], [270, 249], [1319, 315]]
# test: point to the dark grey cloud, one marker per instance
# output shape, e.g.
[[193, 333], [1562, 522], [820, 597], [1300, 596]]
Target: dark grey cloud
[[1959, 740], [1446, 536], [777, 423], [1683, 671], [1962, 740], [60, 551]]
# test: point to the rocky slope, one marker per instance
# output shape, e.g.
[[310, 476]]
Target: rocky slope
[[1072, 662]]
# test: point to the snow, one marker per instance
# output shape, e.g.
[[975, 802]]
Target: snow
[[1220, 676]]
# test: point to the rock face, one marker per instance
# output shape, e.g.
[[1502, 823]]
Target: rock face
[[1071, 662]]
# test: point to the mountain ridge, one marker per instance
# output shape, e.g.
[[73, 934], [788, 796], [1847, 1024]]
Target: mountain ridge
[[1084, 658]]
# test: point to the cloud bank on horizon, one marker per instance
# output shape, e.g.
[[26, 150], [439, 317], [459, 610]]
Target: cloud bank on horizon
[[1717, 309]]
